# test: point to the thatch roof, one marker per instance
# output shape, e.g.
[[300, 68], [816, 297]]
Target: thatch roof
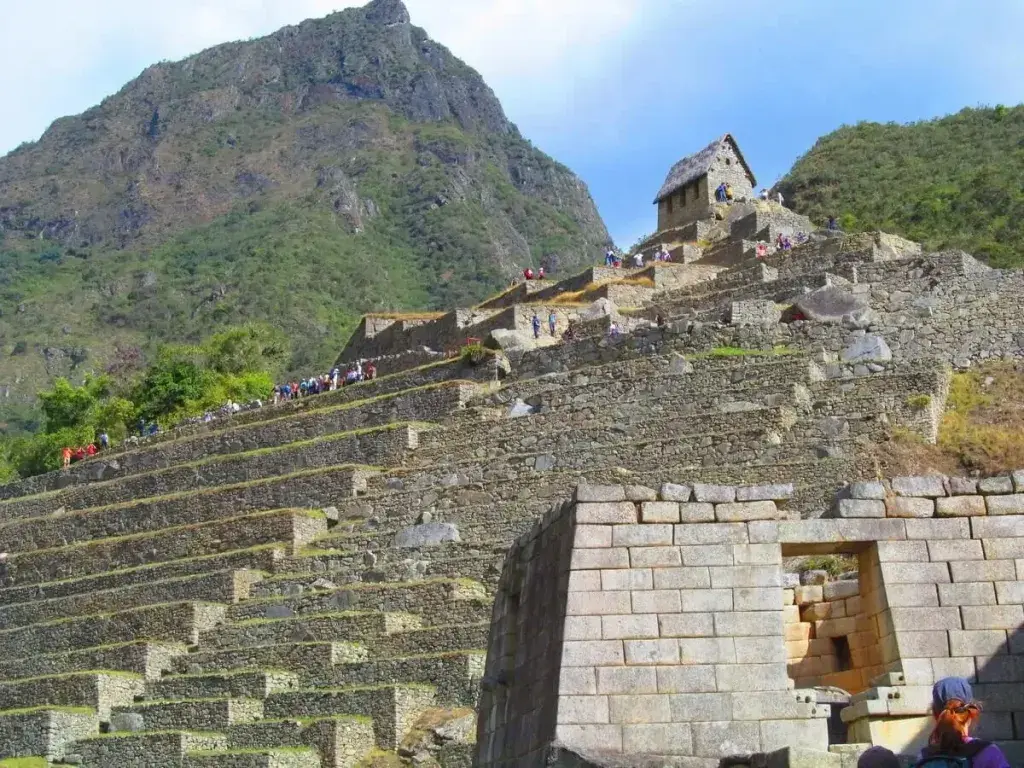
[[691, 168]]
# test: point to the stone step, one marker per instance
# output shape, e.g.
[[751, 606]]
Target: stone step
[[382, 445], [260, 558], [259, 757], [215, 714], [393, 708], [424, 597], [352, 626], [342, 741], [557, 431], [438, 639], [99, 691], [290, 529], [310, 489], [149, 659], [227, 587], [481, 563], [139, 749], [237, 684], [455, 674], [48, 732], [181, 622], [293, 657], [233, 437]]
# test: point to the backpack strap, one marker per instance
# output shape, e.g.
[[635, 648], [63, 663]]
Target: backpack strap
[[969, 749]]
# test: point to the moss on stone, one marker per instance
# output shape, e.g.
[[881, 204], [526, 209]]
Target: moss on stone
[[318, 616], [67, 675], [24, 762], [35, 710], [144, 734]]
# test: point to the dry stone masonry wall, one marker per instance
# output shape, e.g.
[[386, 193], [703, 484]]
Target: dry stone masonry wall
[[672, 632]]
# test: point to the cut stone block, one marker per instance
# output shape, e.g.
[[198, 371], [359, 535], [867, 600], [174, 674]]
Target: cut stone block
[[696, 512], [660, 512], [746, 511], [675, 492], [714, 493], [899, 506], [960, 506], [599, 493], [928, 486], [606, 512], [995, 485], [778, 492], [1006, 505], [860, 508], [867, 490]]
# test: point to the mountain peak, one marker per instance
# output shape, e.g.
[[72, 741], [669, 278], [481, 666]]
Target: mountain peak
[[387, 12]]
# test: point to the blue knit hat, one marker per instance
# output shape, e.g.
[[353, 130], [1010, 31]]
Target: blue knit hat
[[949, 688]]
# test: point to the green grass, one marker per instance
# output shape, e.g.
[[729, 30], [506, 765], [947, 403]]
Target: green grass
[[953, 182], [35, 710], [24, 762], [144, 734], [108, 614], [68, 675], [253, 751], [174, 530]]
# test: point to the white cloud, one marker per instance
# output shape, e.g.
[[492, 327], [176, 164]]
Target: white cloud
[[59, 57]]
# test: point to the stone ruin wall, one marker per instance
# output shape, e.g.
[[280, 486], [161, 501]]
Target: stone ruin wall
[[678, 636]]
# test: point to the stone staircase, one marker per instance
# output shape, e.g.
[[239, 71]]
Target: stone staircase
[[310, 584]]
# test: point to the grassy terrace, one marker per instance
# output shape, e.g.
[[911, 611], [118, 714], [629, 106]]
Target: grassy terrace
[[204, 491], [327, 440], [44, 586]]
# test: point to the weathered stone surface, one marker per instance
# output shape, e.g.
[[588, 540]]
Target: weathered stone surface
[[776, 492], [832, 304], [426, 535], [960, 506], [867, 348], [867, 490], [896, 506], [995, 485], [676, 492], [860, 508], [714, 493], [928, 486]]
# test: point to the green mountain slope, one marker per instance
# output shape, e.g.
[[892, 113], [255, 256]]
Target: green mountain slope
[[344, 165], [953, 182]]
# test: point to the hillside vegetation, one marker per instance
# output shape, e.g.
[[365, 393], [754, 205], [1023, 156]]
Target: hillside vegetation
[[345, 165], [954, 182]]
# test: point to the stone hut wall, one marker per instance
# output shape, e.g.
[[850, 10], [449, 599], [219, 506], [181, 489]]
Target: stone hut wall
[[674, 634]]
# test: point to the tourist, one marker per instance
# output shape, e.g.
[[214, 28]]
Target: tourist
[[764, 194], [638, 259], [371, 371], [65, 456], [528, 273], [104, 441], [90, 450], [728, 193], [787, 244], [780, 198], [142, 427], [540, 273], [762, 250], [659, 320], [613, 330], [535, 322], [950, 743], [833, 225], [878, 757], [552, 321], [609, 257], [720, 193]]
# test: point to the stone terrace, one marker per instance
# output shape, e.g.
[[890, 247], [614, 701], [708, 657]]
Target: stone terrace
[[311, 583]]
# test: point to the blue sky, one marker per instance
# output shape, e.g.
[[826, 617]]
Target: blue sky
[[617, 90]]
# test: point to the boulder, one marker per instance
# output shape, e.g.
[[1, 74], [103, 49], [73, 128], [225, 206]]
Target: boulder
[[600, 308], [127, 721], [867, 347], [426, 535], [507, 341], [832, 304]]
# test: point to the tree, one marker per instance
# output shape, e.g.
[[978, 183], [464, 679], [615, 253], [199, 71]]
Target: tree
[[254, 347]]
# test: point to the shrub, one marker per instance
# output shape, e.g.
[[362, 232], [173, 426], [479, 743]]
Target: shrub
[[919, 402]]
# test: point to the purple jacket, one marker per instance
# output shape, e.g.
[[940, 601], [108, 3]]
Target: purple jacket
[[990, 757]]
